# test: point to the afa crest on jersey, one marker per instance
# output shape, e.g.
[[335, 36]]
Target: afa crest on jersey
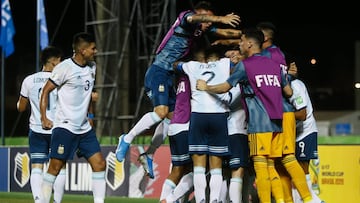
[[161, 88], [60, 149]]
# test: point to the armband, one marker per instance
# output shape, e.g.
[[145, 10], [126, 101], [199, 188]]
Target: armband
[[90, 116]]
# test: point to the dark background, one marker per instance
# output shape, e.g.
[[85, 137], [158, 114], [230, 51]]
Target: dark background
[[326, 32]]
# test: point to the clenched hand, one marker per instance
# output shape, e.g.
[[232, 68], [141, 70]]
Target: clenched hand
[[201, 85]]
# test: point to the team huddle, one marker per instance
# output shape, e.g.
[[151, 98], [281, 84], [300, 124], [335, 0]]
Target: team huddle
[[233, 110], [229, 107]]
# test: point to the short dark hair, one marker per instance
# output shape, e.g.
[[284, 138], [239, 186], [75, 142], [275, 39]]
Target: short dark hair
[[255, 34], [204, 5], [82, 37], [215, 50], [49, 52], [268, 27]]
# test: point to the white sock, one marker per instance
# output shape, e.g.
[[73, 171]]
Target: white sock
[[296, 196], [98, 186], [59, 186], [216, 179], [313, 194], [199, 183], [223, 191], [148, 120], [235, 189], [184, 185], [166, 128], [159, 136], [46, 187], [167, 188], [36, 180]]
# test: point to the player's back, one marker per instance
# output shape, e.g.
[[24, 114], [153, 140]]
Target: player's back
[[213, 72], [301, 99], [31, 89]]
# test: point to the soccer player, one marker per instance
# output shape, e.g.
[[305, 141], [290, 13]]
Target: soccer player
[[289, 165], [208, 134], [180, 180], [235, 164], [160, 75], [39, 139], [74, 80], [262, 85], [306, 130], [178, 138]]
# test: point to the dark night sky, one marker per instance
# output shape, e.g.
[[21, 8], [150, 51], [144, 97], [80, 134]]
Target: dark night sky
[[304, 30]]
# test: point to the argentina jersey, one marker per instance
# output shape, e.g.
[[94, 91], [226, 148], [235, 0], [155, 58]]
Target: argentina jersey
[[301, 99], [214, 72], [74, 95], [31, 89], [237, 118]]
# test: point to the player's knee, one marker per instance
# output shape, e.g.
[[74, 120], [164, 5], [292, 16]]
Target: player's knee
[[178, 170], [54, 169], [99, 165], [162, 113]]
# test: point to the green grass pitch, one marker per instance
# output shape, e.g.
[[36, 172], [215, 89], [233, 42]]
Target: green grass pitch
[[20, 197]]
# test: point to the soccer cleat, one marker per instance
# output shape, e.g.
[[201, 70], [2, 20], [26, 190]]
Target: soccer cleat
[[147, 164], [122, 148]]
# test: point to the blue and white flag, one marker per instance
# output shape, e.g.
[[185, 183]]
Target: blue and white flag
[[44, 38], [7, 29]]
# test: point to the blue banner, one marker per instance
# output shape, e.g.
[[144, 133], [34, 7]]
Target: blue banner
[[7, 31], [44, 38], [4, 169]]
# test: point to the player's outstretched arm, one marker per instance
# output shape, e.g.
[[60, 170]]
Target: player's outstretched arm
[[230, 19]]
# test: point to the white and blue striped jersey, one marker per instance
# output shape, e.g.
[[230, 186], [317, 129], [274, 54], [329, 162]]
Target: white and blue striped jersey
[[31, 89], [74, 84], [300, 99], [213, 72]]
